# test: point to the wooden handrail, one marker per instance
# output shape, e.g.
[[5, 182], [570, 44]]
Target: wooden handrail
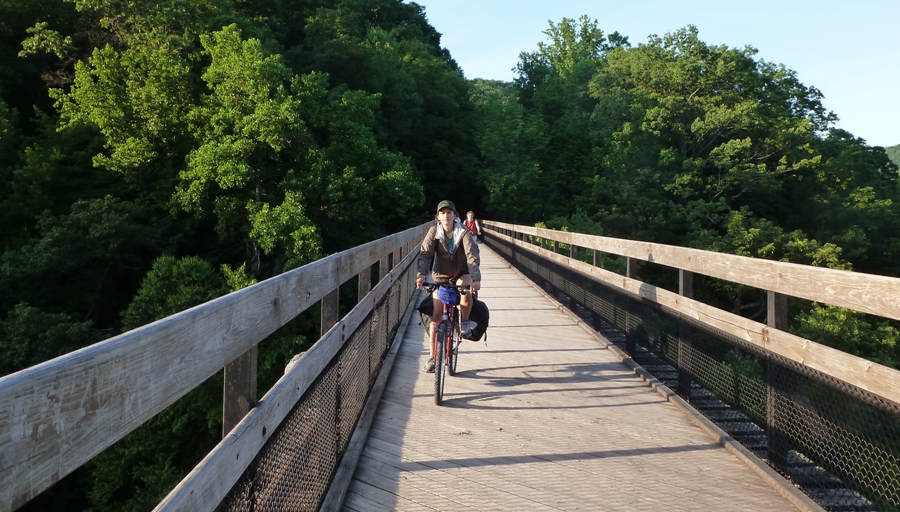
[[56, 416], [783, 278], [214, 477], [867, 293]]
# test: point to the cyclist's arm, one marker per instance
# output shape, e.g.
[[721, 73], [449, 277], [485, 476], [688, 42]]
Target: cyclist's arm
[[426, 256]]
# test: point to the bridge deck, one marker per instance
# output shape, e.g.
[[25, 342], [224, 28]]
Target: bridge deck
[[541, 417]]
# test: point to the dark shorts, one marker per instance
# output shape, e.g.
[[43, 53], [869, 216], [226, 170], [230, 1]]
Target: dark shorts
[[452, 279]]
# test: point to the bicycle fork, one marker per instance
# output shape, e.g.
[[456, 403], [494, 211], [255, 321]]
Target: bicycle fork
[[449, 345]]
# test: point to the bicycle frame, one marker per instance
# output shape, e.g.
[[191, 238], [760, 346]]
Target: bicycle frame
[[445, 341]]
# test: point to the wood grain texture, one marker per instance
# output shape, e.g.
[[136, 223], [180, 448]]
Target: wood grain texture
[[214, 477], [344, 474], [56, 416], [239, 395], [873, 377], [868, 293], [542, 417]]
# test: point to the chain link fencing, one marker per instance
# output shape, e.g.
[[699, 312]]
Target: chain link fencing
[[294, 470], [836, 442]]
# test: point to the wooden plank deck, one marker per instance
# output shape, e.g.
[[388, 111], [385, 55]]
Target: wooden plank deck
[[540, 417]]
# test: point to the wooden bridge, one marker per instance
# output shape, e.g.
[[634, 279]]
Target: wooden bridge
[[594, 391], [544, 416]]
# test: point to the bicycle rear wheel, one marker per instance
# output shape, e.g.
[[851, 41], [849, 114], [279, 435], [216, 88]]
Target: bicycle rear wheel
[[440, 362]]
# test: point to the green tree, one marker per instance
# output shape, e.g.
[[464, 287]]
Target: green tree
[[893, 152], [512, 144], [553, 88], [138, 98], [851, 332], [136, 472], [282, 159], [706, 131], [29, 336], [81, 262], [677, 141], [172, 285], [388, 48]]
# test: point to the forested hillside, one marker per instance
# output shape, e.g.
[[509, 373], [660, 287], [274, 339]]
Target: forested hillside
[[680, 142], [156, 155], [893, 153]]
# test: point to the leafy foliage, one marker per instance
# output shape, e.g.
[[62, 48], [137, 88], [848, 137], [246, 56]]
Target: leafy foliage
[[893, 153], [172, 285], [851, 332], [29, 336], [680, 142], [158, 155]]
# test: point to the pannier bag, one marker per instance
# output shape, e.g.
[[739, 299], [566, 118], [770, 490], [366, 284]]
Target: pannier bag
[[480, 315]]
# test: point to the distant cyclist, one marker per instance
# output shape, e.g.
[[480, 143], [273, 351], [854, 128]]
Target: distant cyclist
[[473, 225], [450, 255]]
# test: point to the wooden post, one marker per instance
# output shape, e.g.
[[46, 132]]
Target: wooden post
[[383, 267], [365, 284], [569, 288], [777, 311], [631, 268], [685, 347], [239, 393], [598, 258], [777, 385], [630, 313], [329, 310]]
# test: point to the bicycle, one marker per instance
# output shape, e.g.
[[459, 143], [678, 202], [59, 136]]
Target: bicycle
[[446, 345]]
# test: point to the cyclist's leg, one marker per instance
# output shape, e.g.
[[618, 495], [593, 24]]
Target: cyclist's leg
[[465, 300], [431, 337], [434, 337]]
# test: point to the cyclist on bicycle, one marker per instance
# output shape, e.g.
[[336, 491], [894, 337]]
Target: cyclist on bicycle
[[450, 255], [473, 225]]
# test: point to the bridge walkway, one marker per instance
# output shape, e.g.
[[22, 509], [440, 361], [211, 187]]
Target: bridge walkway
[[540, 417]]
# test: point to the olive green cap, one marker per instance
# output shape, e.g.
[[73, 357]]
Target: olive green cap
[[446, 204]]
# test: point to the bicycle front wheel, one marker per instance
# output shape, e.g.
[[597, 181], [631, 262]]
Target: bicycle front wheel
[[440, 362], [453, 348]]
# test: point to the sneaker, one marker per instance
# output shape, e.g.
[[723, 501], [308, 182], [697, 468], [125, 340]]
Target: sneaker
[[429, 366], [465, 328]]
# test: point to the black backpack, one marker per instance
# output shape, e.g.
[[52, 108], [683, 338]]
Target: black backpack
[[480, 315]]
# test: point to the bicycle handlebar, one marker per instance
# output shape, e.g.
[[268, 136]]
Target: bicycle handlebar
[[430, 287]]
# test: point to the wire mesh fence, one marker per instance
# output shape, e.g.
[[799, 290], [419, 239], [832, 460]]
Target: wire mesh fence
[[838, 443], [295, 468]]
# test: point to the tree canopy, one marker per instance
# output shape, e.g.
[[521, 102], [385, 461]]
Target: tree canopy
[[893, 153], [160, 154], [680, 142]]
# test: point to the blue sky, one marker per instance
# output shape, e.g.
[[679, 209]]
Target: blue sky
[[848, 50]]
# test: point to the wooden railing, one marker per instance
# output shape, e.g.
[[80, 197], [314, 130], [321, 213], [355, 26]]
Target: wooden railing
[[56, 416], [827, 420], [867, 293]]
